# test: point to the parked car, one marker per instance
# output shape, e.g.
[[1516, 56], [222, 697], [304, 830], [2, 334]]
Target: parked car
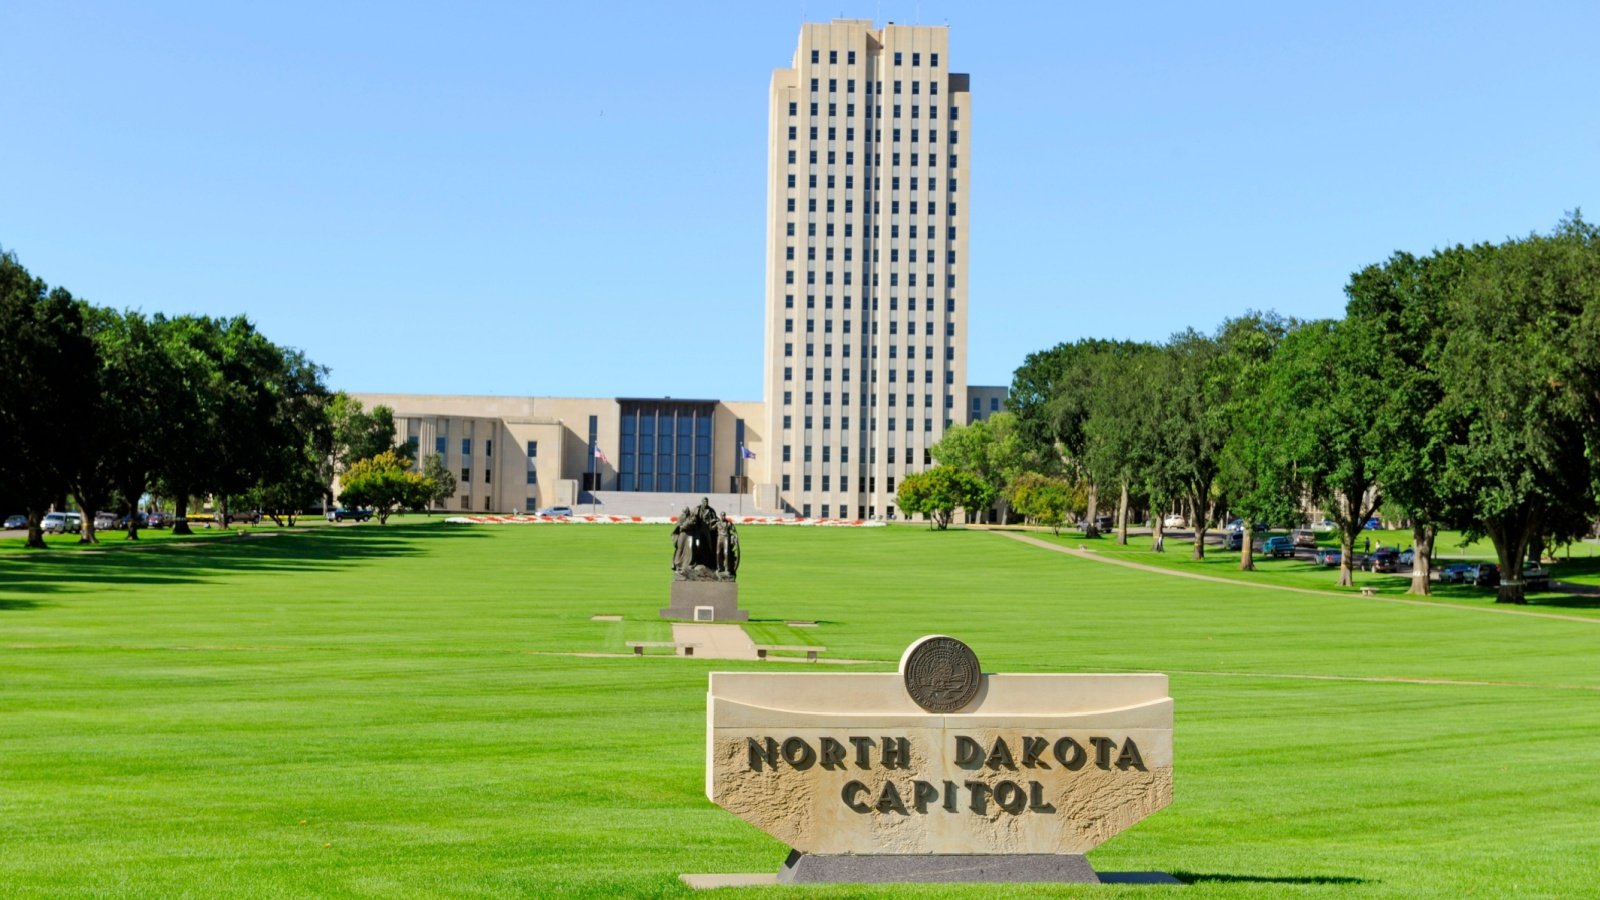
[[1373, 524], [141, 518], [61, 522], [158, 520], [1383, 561], [247, 516], [1303, 537], [1324, 525], [1488, 575], [1458, 573], [1278, 545], [1235, 525], [105, 519], [16, 522], [340, 514], [550, 511], [1408, 556], [1233, 540], [1329, 556], [1174, 521], [1535, 577]]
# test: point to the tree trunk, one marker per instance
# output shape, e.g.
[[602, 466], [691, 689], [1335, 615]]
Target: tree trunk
[[1200, 510], [1089, 529], [1247, 550], [86, 529], [1158, 537], [1421, 559], [1122, 516], [1510, 547], [35, 529], [1347, 552], [180, 515], [1536, 547], [222, 511]]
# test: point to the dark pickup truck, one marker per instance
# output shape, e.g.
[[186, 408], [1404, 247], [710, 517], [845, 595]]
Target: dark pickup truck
[[349, 515]]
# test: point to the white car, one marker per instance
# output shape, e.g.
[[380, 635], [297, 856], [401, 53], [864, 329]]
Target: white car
[[1174, 521], [61, 522], [554, 511]]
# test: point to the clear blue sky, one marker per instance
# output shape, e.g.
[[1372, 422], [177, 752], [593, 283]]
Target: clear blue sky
[[568, 199]]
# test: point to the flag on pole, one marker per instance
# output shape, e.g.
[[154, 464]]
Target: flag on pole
[[600, 455], [746, 452]]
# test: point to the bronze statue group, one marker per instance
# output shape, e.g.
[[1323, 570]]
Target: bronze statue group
[[705, 545]]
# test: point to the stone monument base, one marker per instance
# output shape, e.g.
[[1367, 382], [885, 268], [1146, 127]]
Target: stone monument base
[[721, 596], [1016, 868]]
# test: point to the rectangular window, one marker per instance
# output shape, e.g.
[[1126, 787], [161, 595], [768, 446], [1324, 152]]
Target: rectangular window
[[897, 57], [466, 475], [833, 56], [851, 57], [466, 446], [916, 59], [439, 445], [488, 475], [533, 477], [466, 502], [933, 60]]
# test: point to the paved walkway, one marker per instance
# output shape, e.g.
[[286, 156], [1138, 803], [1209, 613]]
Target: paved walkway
[[716, 641], [1235, 582]]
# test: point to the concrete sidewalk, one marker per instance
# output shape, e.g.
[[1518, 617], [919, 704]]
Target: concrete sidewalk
[[715, 641]]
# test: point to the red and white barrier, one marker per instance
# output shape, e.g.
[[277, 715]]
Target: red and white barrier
[[601, 519]]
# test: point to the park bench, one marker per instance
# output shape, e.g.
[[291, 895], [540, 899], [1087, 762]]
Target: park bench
[[810, 652], [1369, 592], [638, 646]]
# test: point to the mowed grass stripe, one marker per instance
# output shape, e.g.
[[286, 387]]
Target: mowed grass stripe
[[408, 713]]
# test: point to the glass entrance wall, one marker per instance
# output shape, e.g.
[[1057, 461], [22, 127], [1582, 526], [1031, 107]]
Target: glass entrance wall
[[666, 446]]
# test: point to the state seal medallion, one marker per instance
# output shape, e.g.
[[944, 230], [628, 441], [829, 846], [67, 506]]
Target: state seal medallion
[[941, 674]]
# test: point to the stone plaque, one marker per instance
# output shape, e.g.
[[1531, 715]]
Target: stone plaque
[[939, 759]]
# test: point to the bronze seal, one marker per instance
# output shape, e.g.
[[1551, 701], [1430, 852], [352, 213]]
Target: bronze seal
[[941, 674]]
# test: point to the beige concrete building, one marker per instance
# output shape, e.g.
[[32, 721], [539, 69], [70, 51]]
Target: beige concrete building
[[866, 326], [866, 319], [525, 453]]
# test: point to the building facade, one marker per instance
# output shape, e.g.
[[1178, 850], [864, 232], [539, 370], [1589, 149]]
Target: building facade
[[866, 324]]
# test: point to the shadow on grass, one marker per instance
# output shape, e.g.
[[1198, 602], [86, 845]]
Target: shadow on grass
[[320, 550], [1222, 878]]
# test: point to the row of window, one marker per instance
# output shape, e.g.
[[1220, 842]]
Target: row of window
[[872, 398], [894, 352], [872, 425], [850, 57], [894, 327], [873, 110], [894, 303], [870, 484], [874, 135], [439, 444], [894, 231], [876, 159], [891, 457], [827, 375], [877, 183], [894, 278], [894, 255]]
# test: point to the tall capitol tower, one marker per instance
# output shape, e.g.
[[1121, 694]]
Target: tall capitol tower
[[866, 327]]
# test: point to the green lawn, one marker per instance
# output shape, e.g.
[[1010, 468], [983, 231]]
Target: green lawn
[[417, 711], [1582, 567]]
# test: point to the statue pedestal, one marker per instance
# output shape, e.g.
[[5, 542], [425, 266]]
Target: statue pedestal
[[721, 596]]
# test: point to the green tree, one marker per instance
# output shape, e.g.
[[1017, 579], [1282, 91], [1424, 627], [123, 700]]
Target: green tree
[[385, 483], [1518, 391], [1047, 500], [444, 481], [1253, 474], [1327, 382], [49, 382], [938, 492]]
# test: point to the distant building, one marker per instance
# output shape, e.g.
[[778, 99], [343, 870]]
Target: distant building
[[866, 319], [866, 326]]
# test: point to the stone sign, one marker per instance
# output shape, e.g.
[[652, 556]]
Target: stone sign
[[938, 761]]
